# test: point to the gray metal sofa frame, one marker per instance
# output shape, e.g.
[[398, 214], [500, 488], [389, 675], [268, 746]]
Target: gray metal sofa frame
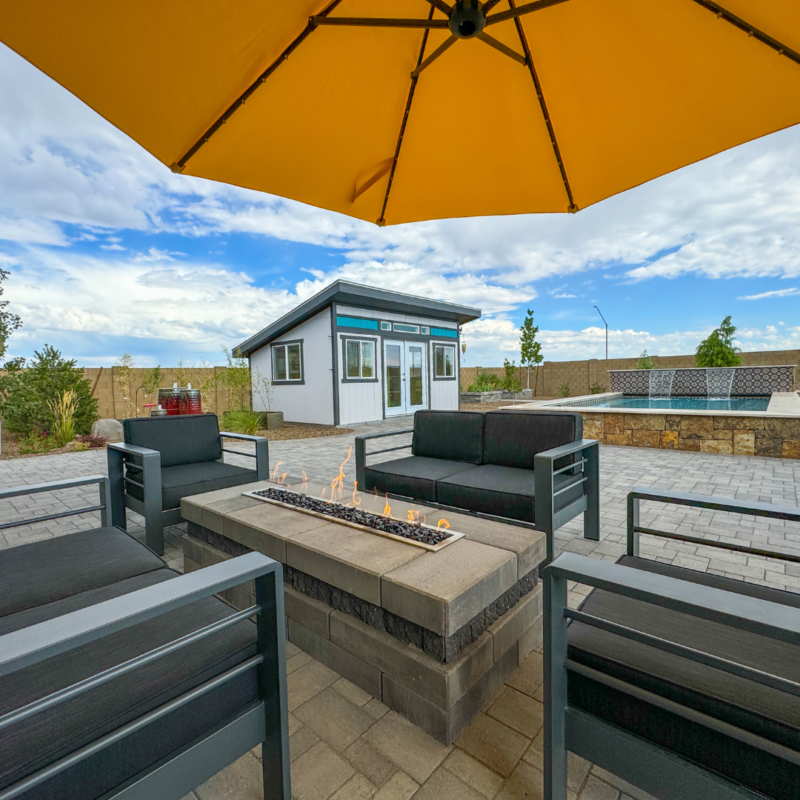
[[654, 768], [264, 721], [549, 517], [130, 464]]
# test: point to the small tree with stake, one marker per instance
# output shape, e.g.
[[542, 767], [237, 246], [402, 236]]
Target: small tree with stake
[[8, 322], [718, 349], [530, 349]]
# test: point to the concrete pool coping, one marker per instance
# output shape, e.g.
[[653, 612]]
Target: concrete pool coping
[[781, 404]]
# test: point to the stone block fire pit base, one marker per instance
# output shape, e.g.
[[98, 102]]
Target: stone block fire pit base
[[433, 635]]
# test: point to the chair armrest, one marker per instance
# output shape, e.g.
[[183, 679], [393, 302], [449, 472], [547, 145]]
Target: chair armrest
[[53, 486], [36, 643], [726, 504], [566, 450], [244, 436], [361, 450], [131, 449], [69, 483]]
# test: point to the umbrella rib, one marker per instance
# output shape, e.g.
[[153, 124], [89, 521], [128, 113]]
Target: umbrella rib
[[442, 6], [414, 78], [500, 47], [489, 5], [376, 22], [572, 208], [180, 165], [513, 13], [749, 29], [444, 46]]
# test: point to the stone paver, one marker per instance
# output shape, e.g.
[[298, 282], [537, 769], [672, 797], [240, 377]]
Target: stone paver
[[349, 746]]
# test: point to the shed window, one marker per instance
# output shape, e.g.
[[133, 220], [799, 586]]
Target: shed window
[[386, 326], [401, 327], [444, 359], [360, 359], [287, 362]]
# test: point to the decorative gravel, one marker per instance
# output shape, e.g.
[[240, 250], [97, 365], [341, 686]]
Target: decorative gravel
[[420, 533]]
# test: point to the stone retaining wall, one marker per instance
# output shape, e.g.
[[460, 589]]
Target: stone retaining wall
[[772, 437]]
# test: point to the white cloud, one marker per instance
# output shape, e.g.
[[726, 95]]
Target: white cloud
[[776, 293]]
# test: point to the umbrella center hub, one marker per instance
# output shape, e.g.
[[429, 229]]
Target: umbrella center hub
[[467, 20]]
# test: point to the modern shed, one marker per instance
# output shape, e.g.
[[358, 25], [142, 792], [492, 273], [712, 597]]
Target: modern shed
[[355, 353]]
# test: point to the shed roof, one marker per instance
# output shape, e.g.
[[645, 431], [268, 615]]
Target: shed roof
[[355, 294]]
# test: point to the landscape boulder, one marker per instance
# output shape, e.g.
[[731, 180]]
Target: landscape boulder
[[111, 429]]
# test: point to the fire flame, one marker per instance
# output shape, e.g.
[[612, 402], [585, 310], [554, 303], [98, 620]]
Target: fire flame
[[387, 509], [443, 525], [304, 485], [283, 478], [274, 475], [413, 516], [356, 496], [338, 482]]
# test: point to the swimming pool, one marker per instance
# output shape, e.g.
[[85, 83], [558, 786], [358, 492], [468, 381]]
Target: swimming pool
[[672, 403]]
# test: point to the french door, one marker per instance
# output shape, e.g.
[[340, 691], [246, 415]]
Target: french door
[[405, 377]]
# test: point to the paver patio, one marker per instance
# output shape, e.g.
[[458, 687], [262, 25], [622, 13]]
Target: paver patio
[[348, 746]]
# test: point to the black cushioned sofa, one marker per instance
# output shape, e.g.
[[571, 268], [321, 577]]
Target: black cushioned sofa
[[684, 683], [166, 458], [527, 466], [121, 678]]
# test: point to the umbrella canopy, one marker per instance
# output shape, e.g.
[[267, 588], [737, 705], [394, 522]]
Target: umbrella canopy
[[401, 110]]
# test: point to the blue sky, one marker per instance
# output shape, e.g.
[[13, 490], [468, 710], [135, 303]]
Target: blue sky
[[109, 252]]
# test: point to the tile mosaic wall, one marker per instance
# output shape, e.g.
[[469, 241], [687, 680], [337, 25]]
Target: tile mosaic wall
[[747, 381]]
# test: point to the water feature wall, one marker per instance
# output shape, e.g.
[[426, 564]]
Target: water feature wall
[[661, 382], [694, 381]]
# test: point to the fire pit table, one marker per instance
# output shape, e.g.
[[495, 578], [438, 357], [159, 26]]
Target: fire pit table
[[432, 625]]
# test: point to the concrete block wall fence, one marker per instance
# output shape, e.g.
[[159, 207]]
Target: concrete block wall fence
[[581, 375]]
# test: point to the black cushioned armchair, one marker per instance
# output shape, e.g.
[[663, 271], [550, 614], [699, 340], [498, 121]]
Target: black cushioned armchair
[[120, 678], [164, 459], [532, 467]]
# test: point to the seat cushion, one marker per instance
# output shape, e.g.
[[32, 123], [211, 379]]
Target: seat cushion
[[180, 440], [59, 731], [513, 438], [501, 491], [414, 476], [185, 480], [51, 569], [766, 712], [450, 435]]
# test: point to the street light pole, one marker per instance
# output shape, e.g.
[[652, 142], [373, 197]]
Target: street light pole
[[606, 324]]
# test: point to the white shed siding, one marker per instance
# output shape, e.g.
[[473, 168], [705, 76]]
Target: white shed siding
[[360, 402], [369, 313], [311, 401], [444, 394]]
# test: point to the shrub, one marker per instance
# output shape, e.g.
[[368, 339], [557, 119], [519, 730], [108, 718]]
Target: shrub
[[91, 442], [596, 389], [563, 390], [511, 382], [718, 349], [63, 409], [25, 394], [248, 422], [645, 361], [36, 442], [485, 382]]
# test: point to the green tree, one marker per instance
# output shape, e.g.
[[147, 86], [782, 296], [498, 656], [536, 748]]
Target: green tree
[[8, 322], [530, 349], [718, 349], [645, 361], [27, 393], [511, 382], [236, 381]]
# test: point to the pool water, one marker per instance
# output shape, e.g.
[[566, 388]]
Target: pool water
[[675, 403]]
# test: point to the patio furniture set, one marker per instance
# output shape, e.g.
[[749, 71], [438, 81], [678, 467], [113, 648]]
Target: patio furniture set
[[121, 678]]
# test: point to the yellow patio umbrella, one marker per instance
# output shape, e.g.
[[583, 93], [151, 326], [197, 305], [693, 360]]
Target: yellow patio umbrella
[[401, 110]]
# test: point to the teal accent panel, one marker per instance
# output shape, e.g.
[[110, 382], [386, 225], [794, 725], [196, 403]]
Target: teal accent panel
[[446, 332], [352, 322]]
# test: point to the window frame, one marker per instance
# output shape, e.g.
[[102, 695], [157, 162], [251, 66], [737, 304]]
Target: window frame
[[444, 346], [373, 340], [287, 381]]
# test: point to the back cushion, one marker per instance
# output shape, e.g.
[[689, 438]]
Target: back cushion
[[180, 440], [513, 438], [452, 435]]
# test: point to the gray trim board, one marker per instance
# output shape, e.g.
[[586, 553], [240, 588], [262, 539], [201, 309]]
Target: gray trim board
[[353, 294], [334, 367]]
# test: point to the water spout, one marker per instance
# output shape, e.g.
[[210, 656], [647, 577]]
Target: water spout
[[661, 382], [718, 383]]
